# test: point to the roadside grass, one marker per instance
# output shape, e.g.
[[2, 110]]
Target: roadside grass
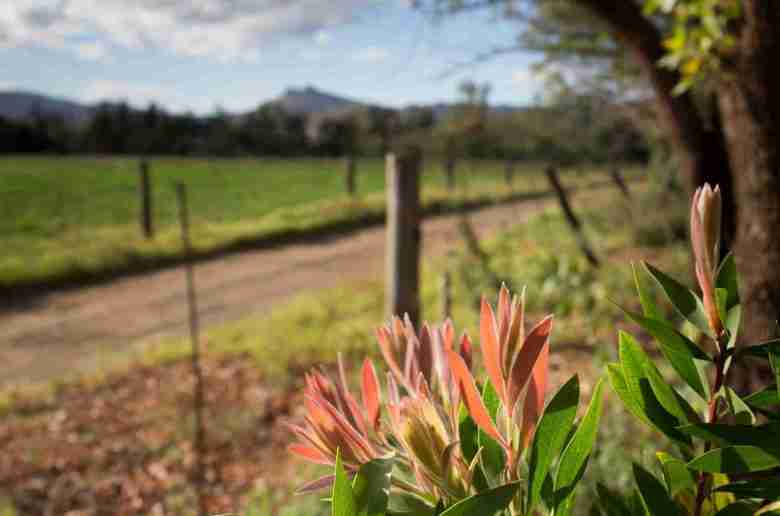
[[310, 330], [65, 219]]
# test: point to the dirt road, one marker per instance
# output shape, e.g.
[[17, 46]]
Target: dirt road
[[66, 332]]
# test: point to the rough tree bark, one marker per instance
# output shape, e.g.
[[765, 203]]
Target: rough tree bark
[[750, 109], [738, 149]]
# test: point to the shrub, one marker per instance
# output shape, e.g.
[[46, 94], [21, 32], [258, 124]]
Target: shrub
[[728, 452], [436, 442]]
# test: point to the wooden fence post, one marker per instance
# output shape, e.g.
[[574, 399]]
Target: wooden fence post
[[145, 191], [509, 172], [198, 397], [350, 170], [571, 218], [446, 295], [617, 177], [402, 182]]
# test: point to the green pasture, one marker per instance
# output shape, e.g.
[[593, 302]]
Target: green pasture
[[64, 218]]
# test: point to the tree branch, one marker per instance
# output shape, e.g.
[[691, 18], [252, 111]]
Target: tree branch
[[630, 27]]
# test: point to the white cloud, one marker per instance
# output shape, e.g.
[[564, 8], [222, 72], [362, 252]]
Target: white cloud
[[8, 86], [225, 30], [137, 94], [93, 51], [371, 55], [322, 37]]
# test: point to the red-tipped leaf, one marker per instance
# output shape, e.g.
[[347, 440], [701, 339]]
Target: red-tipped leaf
[[370, 386], [471, 397], [491, 352]]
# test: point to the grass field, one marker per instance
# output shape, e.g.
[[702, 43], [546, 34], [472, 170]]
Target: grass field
[[68, 217]]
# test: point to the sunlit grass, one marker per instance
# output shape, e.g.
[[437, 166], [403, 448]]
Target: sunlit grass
[[70, 217]]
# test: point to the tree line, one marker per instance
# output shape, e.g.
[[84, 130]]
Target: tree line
[[577, 129]]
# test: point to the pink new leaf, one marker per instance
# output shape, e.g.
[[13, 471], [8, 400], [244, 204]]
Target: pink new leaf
[[534, 401], [472, 398], [370, 386], [491, 353], [527, 357]]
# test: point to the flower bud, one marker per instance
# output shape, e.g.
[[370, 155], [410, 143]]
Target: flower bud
[[706, 211]]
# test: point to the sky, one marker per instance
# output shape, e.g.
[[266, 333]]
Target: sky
[[201, 55]]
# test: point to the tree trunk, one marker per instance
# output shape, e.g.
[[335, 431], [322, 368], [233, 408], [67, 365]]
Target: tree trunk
[[751, 118]]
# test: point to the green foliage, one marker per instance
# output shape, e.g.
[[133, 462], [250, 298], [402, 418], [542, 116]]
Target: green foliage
[[726, 441]]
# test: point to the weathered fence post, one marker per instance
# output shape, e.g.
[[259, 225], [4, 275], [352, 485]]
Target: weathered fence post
[[402, 181], [446, 295], [509, 172], [350, 171], [617, 177], [198, 395], [571, 218], [145, 191]]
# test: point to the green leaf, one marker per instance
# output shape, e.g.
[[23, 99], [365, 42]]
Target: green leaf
[[487, 503], [736, 459], [762, 488], [371, 487], [611, 502], [732, 322], [493, 459], [676, 474], [618, 382], [738, 408], [469, 444], [727, 279], [550, 436], [634, 361], [649, 306], [741, 508], [342, 500], [765, 436], [677, 349], [666, 395], [574, 458], [767, 398], [654, 496], [683, 299], [404, 504], [721, 299]]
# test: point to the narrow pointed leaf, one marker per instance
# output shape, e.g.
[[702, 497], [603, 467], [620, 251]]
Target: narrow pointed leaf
[[618, 382], [634, 361], [491, 353], [738, 408], [666, 395], [765, 436], [402, 504], [736, 459], [527, 357], [676, 474], [727, 279], [371, 487], [534, 401], [342, 500], [656, 499], [574, 458], [370, 386], [649, 306], [487, 503], [767, 398], [684, 301], [677, 349], [493, 458], [740, 508], [761, 488], [471, 397], [554, 427]]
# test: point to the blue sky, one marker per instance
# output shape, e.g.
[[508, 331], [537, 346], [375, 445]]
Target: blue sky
[[200, 54]]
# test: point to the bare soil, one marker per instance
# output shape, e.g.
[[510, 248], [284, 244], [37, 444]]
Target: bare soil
[[69, 331]]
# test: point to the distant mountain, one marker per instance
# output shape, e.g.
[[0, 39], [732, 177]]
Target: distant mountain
[[311, 101], [20, 105]]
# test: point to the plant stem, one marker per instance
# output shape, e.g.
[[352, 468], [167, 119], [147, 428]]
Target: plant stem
[[712, 417]]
